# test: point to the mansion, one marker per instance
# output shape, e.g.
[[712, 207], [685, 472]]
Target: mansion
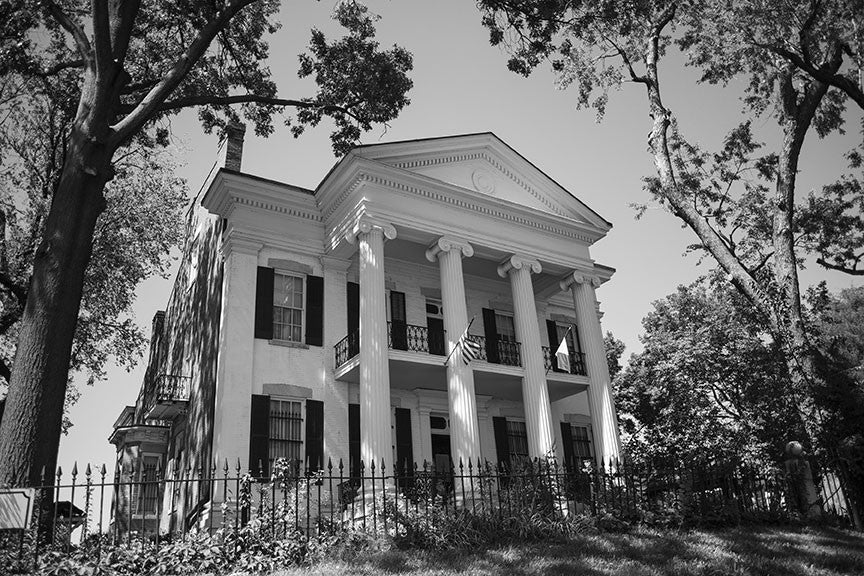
[[318, 325]]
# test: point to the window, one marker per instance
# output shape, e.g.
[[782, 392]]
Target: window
[[505, 328], [145, 492], [581, 443], [288, 307], [286, 428], [517, 438]]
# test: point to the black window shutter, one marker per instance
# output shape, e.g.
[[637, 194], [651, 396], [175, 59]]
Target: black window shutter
[[259, 435], [314, 435], [567, 440], [552, 330], [398, 326], [314, 310], [404, 443], [491, 333], [353, 295], [354, 440], [264, 303], [502, 443]]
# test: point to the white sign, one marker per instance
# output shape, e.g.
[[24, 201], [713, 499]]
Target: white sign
[[16, 506]]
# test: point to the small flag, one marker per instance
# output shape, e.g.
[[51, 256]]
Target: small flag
[[470, 348], [562, 354]]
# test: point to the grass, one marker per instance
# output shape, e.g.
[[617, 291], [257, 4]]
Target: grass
[[734, 552]]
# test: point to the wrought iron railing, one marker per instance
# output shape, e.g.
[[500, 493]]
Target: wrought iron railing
[[347, 348], [577, 362], [402, 336], [509, 353], [166, 388], [72, 511]]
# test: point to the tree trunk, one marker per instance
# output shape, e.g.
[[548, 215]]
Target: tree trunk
[[30, 430]]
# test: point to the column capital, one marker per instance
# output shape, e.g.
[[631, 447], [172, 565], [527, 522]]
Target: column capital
[[516, 262], [365, 224], [577, 277], [447, 243]]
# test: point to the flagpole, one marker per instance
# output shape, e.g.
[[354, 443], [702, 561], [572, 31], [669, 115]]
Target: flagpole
[[460, 339]]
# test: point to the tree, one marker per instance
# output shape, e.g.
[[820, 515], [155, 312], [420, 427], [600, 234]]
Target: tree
[[740, 203], [706, 384], [127, 65], [141, 223], [614, 352]]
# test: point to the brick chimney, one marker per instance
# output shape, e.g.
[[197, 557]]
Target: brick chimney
[[231, 147]]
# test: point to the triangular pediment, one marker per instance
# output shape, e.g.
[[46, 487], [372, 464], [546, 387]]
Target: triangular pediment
[[483, 163]]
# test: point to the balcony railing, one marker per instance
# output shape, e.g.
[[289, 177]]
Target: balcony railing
[[508, 353], [401, 336], [411, 338], [347, 348], [577, 362], [167, 395]]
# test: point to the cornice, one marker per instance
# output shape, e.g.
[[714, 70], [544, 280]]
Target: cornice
[[362, 171], [229, 190]]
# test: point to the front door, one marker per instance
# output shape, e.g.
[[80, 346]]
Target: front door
[[441, 453]]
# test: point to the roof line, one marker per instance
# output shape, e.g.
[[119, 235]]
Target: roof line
[[490, 133]]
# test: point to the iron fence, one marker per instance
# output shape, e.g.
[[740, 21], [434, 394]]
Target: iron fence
[[151, 505]]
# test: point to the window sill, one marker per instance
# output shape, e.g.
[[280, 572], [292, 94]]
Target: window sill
[[288, 344]]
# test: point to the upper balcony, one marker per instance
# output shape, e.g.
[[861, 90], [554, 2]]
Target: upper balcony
[[423, 341], [166, 396]]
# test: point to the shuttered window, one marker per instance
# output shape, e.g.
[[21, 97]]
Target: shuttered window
[[517, 439], [286, 425], [581, 442]]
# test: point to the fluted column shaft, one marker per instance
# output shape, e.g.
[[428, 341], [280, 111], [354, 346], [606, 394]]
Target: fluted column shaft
[[375, 433], [535, 394], [607, 444], [461, 399]]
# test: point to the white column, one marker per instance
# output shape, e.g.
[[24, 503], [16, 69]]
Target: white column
[[535, 394], [607, 444], [235, 372], [461, 400], [375, 434]]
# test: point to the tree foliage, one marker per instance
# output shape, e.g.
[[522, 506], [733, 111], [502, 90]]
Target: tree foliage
[[142, 222], [709, 382], [614, 351], [799, 63]]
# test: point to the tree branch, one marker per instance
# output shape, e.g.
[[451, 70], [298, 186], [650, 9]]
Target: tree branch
[[853, 271], [150, 104], [72, 27], [821, 74], [59, 67], [203, 100]]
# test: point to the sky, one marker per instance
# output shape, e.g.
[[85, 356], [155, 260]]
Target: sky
[[462, 85]]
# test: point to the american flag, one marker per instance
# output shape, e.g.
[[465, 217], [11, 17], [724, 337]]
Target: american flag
[[469, 348]]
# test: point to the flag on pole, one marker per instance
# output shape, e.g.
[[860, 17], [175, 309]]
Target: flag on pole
[[562, 354], [470, 348]]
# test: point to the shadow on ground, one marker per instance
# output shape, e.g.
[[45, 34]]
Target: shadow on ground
[[738, 551]]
